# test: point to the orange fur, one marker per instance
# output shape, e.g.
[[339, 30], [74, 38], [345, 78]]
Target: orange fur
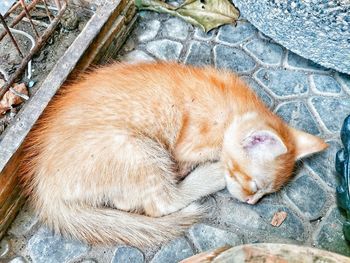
[[115, 144]]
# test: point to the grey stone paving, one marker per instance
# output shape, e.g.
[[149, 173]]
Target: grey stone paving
[[174, 251], [127, 254], [306, 95], [206, 237]]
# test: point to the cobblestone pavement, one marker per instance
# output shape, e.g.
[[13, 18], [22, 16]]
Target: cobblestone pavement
[[306, 95]]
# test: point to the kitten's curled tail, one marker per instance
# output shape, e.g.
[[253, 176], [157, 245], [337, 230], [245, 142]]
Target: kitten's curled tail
[[112, 226]]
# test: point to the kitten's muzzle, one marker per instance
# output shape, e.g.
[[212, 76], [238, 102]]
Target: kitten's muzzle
[[254, 198]]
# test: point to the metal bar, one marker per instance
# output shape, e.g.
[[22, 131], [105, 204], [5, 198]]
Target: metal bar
[[47, 10], [20, 16], [12, 9], [10, 35], [50, 7], [42, 39], [36, 22], [29, 17]]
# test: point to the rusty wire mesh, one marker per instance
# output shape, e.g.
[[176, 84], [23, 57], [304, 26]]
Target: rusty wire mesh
[[20, 11]]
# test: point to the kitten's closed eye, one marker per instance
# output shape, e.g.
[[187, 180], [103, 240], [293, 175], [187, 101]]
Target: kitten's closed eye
[[242, 186], [254, 186], [257, 193]]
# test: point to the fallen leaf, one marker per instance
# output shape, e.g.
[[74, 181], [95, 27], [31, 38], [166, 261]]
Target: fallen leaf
[[278, 218], [11, 99], [206, 14]]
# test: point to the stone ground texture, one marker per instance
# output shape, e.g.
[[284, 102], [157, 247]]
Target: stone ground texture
[[307, 96], [316, 29]]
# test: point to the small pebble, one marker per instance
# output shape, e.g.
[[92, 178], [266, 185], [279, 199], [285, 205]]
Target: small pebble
[[31, 83]]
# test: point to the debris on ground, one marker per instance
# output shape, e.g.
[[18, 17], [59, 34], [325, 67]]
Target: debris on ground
[[278, 218], [202, 13], [13, 97], [70, 19]]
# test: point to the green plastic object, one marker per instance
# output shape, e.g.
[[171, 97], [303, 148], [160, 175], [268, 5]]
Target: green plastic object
[[342, 165]]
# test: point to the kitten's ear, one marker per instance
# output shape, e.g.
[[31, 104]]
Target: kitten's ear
[[306, 144], [264, 145]]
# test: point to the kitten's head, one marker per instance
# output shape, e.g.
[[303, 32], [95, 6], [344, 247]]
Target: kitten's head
[[259, 155]]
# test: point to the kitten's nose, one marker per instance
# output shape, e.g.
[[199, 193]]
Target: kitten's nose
[[252, 200]]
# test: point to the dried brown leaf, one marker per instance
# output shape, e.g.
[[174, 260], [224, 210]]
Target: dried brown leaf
[[206, 14], [10, 99], [278, 218]]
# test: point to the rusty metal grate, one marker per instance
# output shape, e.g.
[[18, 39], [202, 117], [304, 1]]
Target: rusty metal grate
[[20, 11]]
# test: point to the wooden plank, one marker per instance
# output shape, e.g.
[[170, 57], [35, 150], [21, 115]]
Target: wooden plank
[[114, 25], [129, 12], [11, 214], [116, 43]]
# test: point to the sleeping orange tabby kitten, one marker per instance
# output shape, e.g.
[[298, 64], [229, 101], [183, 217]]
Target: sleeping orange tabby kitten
[[108, 161]]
